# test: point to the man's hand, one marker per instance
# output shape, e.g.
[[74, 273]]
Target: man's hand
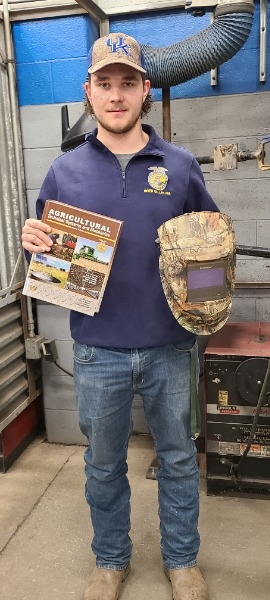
[[35, 236]]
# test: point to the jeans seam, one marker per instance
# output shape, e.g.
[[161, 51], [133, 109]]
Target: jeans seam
[[188, 565], [100, 565]]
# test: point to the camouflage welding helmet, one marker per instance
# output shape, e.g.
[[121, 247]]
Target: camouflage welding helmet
[[197, 269]]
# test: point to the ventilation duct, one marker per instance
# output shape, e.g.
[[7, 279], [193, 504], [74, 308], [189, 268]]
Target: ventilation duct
[[205, 50]]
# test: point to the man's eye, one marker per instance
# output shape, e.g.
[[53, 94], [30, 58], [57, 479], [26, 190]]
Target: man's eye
[[129, 83]]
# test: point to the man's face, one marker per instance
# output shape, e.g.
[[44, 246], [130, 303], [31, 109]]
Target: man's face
[[117, 93]]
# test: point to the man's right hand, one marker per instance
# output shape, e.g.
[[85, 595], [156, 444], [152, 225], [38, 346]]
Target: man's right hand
[[35, 236]]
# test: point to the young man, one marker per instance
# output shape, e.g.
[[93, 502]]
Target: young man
[[134, 344]]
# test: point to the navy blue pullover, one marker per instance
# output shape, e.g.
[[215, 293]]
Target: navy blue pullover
[[160, 182]]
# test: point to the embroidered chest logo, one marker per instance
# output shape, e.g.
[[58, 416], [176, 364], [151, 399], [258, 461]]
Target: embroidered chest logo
[[119, 45], [158, 180]]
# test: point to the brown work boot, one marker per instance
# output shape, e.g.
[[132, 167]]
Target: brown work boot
[[187, 584], [105, 584]]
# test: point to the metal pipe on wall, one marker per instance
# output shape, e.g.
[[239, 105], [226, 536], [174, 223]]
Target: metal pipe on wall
[[166, 112], [14, 112], [263, 39], [213, 72], [17, 185], [8, 209]]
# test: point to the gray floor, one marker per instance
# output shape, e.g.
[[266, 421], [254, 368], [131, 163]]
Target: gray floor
[[45, 532]]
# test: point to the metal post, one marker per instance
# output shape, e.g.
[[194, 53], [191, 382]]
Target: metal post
[[214, 72], [166, 111], [263, 39]]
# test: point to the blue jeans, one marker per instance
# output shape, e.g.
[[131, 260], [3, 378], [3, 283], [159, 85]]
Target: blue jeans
[[106, 380]]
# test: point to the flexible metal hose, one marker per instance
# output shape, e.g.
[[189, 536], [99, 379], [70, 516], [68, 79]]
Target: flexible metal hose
[[198, 54]]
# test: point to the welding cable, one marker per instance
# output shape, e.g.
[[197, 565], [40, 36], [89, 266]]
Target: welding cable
[[62, 368], [237, 468]]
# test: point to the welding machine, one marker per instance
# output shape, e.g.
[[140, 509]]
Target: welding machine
[[237, 400], [197, 270]]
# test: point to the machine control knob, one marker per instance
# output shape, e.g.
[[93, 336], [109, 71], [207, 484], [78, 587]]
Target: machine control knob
[[249, 378]]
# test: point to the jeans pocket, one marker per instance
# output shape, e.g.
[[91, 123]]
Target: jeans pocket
[[83, 354]]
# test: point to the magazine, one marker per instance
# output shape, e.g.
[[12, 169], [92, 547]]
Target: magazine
[[75, 271]]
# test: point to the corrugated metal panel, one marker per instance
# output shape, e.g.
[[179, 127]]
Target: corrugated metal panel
[[13, 368], [21, 410]]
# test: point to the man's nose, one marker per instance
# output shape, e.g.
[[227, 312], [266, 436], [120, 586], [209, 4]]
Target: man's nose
[[116, 94]]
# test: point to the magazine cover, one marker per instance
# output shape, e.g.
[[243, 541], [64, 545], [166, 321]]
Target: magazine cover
[[75, 272]]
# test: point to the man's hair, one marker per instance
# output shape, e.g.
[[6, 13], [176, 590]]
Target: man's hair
[[146, 106]]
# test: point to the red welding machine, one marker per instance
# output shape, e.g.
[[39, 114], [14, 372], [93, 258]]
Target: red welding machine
[[236, 363]]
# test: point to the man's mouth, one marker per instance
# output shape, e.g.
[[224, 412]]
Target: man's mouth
[[117, 110]]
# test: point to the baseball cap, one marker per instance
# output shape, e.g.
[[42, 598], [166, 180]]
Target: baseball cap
[[197, 269], [116, 48]]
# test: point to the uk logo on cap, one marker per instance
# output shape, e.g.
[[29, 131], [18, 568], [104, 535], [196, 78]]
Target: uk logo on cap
[[116, 48], [118, 45]]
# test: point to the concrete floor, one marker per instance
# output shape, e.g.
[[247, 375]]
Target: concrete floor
[[45, 532]]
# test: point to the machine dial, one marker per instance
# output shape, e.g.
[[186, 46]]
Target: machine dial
[[249, 378]]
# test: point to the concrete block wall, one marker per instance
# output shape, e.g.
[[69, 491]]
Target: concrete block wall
[[236, 110]]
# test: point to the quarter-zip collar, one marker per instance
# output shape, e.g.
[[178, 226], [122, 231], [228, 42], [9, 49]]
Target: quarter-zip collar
[[152, 147]]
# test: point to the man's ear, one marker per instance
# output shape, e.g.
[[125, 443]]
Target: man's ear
[[86, 88], [146, 88]]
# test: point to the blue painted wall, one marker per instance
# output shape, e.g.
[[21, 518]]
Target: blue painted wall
[[51, 55], [51, 58]]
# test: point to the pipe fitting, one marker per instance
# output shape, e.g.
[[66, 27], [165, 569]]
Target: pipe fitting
[[226, 7]]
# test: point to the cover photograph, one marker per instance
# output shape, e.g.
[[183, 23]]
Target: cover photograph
[[74, 273]]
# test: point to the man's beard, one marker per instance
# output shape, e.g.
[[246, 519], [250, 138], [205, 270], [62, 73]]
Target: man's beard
[[120, 127]]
